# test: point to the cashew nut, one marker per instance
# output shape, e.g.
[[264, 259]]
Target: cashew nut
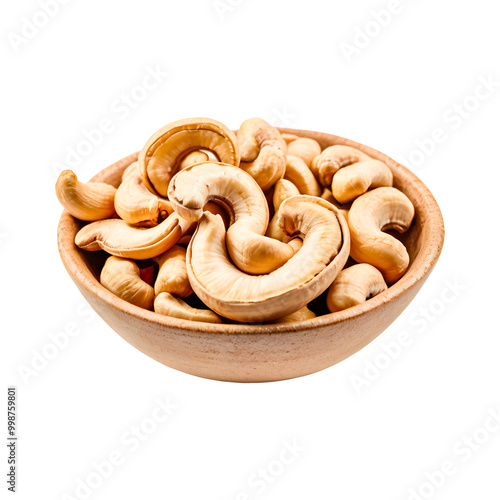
[[353, 286], [352, 181], [135, 204], [193, 158], [332, 159], [343, 208], [172, 274], [288, 138], [169, 305], [263, 152], [118, 238], [122, 277], [160, 158], [239, 296], [300, 315], [304, 148], [373, 212], [246, 205], [89, 202], [283, 190], [299, 173]]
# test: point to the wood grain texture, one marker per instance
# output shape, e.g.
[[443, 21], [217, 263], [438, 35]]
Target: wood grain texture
[[262, 353]]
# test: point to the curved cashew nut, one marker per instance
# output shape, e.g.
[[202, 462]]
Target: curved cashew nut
[[299, 173], [135, 204], [246, 205], [300, 315], [118, 238], [239, 296], [122, 277], [304, 148], [328, 196], [283, 190], [263, 152], [334, 158], [172, 274], [193, 158], [169, 305], [288, 138], [372, 213], [353, 286], [89, 202], [352, 181], [160, 158]]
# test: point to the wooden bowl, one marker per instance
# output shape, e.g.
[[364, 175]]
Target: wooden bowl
[[261, 353]]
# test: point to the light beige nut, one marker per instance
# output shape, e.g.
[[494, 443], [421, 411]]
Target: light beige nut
[[243, 200], [288, 138], [299, 173], [172, 274], [372, 213], [283, 190], [300, 315], [193, 158], [304, 148], [89, 202], [328, 196], [122, 277], [354, 285], [168, 305], [354, 180], [263, 152], [135, 204], [118, 238], [243, 297], [160, 158], [334, 158]]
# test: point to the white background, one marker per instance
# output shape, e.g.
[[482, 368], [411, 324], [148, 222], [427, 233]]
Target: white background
[[284, 61]]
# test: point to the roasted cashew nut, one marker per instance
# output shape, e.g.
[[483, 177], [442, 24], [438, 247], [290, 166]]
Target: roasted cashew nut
[[263, 152], [371, 214], [300, 315], [299, 173], [161, 156], [168, 305], [246, 205], [304, 148], [352, 181], [89, 202], [283, 190], [135, 204], [354, 285], [334, 158], [172, 274], [118, 238], [172, 283], [122, 277], [239, 296]]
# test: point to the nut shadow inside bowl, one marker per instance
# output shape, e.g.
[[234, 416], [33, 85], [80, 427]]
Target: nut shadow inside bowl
[[267, 352]]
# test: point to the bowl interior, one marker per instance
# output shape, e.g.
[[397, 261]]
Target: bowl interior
[[423, 241]]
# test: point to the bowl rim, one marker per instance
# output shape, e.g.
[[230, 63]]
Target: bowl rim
[[422, 265]]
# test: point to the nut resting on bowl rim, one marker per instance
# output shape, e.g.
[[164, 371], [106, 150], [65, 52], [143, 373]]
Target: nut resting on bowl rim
[[257, 353]]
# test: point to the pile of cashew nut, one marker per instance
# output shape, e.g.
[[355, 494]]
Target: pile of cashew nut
[[213, 226]]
